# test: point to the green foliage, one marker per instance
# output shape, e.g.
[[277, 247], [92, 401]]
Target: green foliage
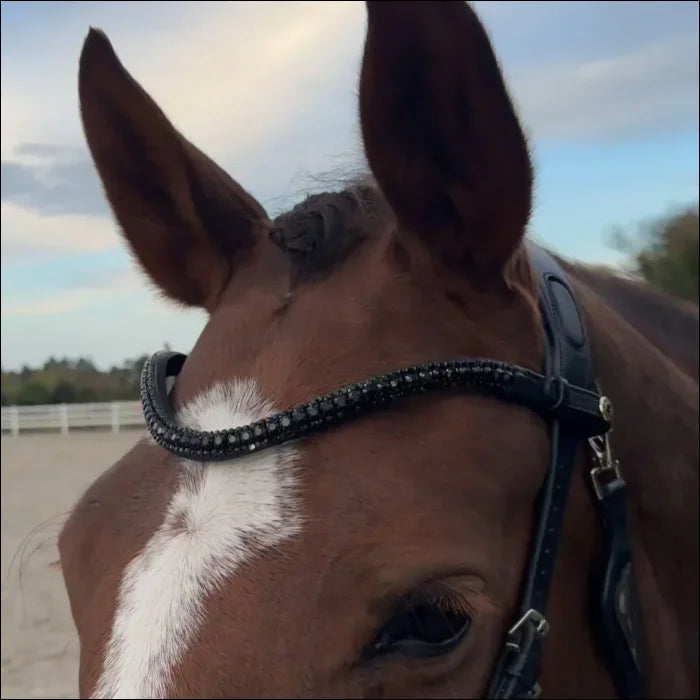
[[71, 381], [63, 392], [664, 251], [32, 393]]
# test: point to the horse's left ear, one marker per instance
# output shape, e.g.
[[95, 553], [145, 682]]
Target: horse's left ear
[[188, 223], [440, 133]]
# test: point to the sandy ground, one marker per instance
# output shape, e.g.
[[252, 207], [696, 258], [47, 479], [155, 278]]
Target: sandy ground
[[42, 476]]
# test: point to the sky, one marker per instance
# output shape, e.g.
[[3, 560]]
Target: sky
[[607, 93]]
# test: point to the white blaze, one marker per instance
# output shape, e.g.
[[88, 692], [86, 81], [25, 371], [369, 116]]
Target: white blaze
[[221, 515]]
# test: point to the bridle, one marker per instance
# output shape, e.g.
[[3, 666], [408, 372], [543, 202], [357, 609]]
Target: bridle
[[566, 396]]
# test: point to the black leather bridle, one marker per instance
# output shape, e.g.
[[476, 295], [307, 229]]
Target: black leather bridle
[[568, 399]]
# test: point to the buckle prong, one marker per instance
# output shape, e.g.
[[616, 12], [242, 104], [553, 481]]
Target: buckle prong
[[532, 615]]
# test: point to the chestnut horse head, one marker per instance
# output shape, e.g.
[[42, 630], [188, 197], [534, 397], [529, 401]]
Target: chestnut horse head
[[384, 557]]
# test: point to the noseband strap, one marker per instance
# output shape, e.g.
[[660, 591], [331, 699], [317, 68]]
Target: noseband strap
[[565, 396]]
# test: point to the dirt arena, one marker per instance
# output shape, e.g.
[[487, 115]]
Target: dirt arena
[[42, 476]]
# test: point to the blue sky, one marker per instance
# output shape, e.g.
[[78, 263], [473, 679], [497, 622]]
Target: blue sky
[[607, 91]]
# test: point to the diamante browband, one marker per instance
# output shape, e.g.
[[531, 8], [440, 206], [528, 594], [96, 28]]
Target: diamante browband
[[549, 397]]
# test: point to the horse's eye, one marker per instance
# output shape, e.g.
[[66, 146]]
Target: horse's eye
[[423, 630]]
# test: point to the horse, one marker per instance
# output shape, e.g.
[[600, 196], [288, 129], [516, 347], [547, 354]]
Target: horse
[[383, 555]]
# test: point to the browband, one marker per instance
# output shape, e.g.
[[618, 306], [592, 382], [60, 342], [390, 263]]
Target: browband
[[551, 397]]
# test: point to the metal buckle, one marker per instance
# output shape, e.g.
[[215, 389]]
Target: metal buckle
[[556, 389], [605, 408], [535, 692], [607, 468], [532, 615]]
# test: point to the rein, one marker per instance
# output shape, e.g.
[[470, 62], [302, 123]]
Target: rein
[[566, 396]]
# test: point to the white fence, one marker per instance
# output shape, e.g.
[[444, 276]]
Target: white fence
[[65, 417]]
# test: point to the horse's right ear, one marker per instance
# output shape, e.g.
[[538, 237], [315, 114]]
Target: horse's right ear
[[440, 133], [185, 219]]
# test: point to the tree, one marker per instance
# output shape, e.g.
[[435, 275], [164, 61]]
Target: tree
[[32, 394], [86, 395], [64, 392], [51, 364], [664, 251], [135, 367], [72, 381], [85, 365]]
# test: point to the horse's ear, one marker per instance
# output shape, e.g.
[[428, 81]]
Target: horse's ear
[[440, 133], [185, 219]]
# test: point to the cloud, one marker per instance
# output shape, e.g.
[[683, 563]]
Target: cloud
[[269, 89], [53, 187], [28, 234], [272, 74], [228, 74], [42, 150], [249, 82], [20, 114], [236, 77], [639, 93], [45, 307], [88, 292]]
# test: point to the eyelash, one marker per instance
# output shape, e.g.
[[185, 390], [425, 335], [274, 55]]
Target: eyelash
[[414, 630]]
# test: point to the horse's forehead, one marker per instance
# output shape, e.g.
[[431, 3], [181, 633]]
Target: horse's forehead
[[215, 519]]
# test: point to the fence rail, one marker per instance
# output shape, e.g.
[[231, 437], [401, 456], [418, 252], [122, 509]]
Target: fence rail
[[65, 417]]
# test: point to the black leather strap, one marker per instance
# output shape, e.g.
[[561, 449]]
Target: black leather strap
[[616, 607], [567, 360], [568, 356], [568, 353]]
